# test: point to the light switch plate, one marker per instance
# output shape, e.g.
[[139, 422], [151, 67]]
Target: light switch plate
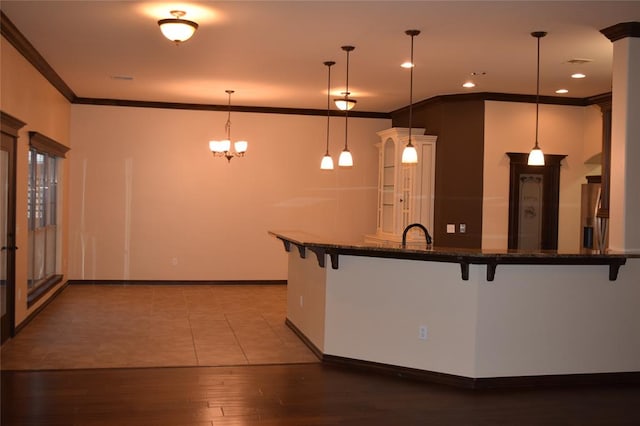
[[451, 228]]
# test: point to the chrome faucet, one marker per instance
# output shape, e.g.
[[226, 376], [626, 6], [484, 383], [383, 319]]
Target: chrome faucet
[[416, 225]]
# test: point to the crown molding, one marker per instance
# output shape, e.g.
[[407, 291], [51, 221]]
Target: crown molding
[[622, 30], [11, 33]]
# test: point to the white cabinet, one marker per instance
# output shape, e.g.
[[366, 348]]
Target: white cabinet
[[405, 191]]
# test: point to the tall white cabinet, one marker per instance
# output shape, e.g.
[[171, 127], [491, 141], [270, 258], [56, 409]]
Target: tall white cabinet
[[405, 192]]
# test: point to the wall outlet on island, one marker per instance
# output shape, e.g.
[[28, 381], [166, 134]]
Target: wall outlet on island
[[422, 332]]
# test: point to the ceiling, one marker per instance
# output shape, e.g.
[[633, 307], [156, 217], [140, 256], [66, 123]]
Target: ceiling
[[272, 52]]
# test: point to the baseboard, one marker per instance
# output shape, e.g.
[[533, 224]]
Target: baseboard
[[511, 382], [316, 351], [554, 380], [39, 309], [177, 282]]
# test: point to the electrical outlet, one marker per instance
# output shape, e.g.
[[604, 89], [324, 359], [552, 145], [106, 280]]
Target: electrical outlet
[[301, 301], [463, 228], [422, 332]]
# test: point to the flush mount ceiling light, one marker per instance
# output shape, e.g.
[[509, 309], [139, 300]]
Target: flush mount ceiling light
[[176, 29], [536, 156], [345, 159], [327, 161], [223, 148], [346, 103], [410, 154], [578, 75]]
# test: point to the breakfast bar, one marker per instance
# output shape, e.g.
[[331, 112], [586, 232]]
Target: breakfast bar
[[471, 318]]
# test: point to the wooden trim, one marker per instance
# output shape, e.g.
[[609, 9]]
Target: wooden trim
[[39, 309], [316, 351], [175, 282], [510, 382], [502, 97], [10, 125], [622, 30], [551, 194], [40, 291], [45, 144], [10, 32], [234, 108]]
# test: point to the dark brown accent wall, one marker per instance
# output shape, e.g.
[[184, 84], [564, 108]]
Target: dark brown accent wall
[[459, 125]]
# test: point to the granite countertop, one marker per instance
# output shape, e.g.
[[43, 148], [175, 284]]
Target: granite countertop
[[419, 251]]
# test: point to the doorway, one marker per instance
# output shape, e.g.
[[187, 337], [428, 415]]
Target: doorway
[[10, 127], [534, 195]]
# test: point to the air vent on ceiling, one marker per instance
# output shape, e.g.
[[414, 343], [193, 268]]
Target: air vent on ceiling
[[579, 61]]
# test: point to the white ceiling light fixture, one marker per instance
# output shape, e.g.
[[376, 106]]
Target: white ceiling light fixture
[[536, 156], [223, 148], [176, 29], [327, 161], [468, 84], [578, 75], [410, 154], [562, 91], [346, 159]]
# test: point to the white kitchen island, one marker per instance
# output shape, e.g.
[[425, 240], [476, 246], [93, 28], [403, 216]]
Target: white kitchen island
[[464, 317]]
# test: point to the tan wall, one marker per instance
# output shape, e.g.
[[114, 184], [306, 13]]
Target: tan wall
[[149, 202], [28, 96], [510, 127]]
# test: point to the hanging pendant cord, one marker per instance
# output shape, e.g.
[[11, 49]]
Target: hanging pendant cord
[[411, 92], [537, 91], [228, 124], [328, 64], [346, 112]]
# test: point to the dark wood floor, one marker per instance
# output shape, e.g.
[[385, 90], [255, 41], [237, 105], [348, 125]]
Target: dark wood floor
[[297, 394]]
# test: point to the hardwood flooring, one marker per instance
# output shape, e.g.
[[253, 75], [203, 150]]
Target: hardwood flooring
[[292, 395], [66, 368]]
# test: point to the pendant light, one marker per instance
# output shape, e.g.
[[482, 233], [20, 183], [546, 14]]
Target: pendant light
[[177, 29], [223, 148], [345, 159], [536, 156], [409, 154], [327, 161]]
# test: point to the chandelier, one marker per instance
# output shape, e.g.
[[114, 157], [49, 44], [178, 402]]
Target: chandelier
[[223, 148]]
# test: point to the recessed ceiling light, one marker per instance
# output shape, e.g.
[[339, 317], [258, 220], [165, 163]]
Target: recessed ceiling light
[[578, 75], [469, 84], [407, 64], [562, 91]]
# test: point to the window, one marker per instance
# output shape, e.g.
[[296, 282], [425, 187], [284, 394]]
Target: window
[[45, 156]]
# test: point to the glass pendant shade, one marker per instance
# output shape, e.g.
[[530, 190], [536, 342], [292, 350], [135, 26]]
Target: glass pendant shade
[[176, 29], [345, 104], [345, 160], [326, 163], [409, 155], [241, 146], [536, 157], [215, 146]]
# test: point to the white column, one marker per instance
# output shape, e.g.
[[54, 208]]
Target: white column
[[624, 206]]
